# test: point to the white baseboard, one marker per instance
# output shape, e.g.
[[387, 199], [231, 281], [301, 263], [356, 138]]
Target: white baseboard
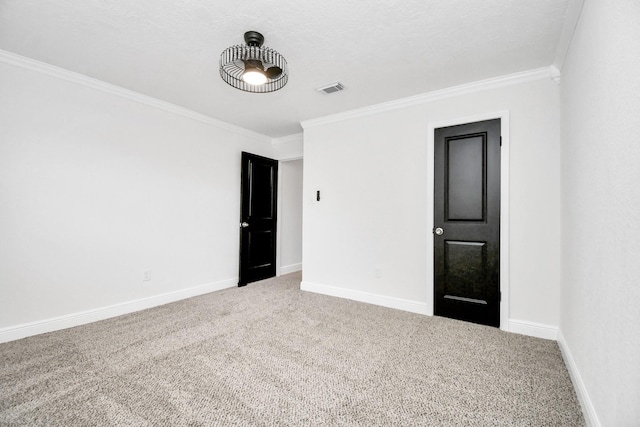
[[292, 268], [533, 329], [81, 318], [385, 301], [591, 418]]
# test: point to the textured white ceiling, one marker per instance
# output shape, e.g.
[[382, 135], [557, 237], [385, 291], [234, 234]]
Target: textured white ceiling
[[380, 50]]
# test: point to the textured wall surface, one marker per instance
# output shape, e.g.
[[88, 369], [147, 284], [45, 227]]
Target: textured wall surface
[[600, 204]]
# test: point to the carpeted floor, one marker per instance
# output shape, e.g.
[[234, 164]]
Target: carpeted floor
[[268, 354]]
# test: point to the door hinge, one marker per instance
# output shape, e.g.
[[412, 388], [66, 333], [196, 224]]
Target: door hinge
[[500, 296], [500, 141]]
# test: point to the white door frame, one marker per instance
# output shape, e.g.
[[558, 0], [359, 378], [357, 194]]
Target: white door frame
[[504, 206]]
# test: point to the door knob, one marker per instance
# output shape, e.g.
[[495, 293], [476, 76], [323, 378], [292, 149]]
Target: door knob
[[439, 231], [244, 225]]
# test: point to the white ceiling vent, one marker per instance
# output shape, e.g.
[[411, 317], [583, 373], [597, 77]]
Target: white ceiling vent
[[331, 88]]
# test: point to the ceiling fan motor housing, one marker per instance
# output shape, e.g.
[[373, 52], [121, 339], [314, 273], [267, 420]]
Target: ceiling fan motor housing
[[253, 38]]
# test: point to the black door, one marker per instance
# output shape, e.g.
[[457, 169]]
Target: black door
[[467, 222], [258, 218]]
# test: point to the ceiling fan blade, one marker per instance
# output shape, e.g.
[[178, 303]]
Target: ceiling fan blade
[[253, 63], [273, 72]]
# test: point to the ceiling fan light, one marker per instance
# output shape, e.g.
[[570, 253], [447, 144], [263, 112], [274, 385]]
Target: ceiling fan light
[[255, 77], [253, 67]]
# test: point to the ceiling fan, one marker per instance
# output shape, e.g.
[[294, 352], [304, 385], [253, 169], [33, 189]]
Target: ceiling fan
[[253, 67]]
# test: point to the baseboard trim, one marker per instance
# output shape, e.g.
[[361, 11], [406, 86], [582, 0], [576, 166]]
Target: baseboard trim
[[591, 418], [81, 318], [384, 301], [291, 268], [533, 329]]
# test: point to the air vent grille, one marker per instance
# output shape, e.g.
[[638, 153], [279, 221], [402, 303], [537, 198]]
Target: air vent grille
[[331, 88]]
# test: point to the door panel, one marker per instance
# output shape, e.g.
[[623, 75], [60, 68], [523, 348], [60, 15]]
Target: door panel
[[258, 216], [261, 190], [465, 179], [261, 243], [464, 262], [467, 209]]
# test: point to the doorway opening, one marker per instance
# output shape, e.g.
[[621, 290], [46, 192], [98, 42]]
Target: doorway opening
[[290, 203]]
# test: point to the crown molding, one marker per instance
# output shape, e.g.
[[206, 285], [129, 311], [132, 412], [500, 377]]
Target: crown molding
[[80, 79], [288, 147], [574, 10], [481, 85], [296, 137], [555, 74]]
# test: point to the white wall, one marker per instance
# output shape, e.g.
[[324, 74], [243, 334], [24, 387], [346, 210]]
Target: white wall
[[600, 321], [96, 188], [290, 216], [372, 171]]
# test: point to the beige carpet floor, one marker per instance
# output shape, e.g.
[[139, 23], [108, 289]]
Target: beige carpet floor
[[269, 354]]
